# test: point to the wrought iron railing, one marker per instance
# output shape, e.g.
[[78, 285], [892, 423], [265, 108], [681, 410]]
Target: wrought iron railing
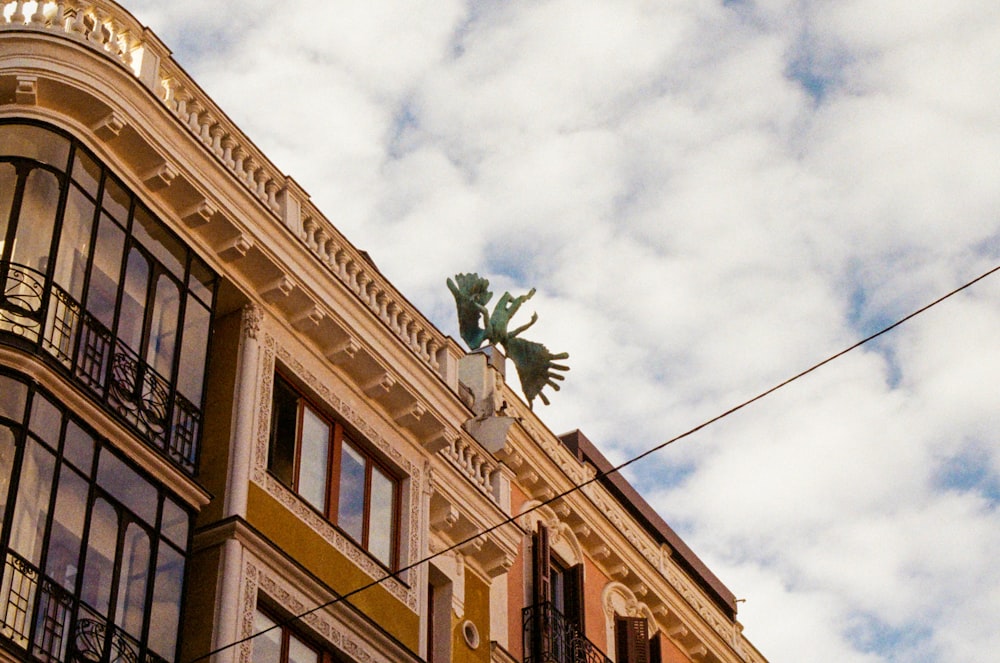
[[42, 618], [49, 319], [548, 637]]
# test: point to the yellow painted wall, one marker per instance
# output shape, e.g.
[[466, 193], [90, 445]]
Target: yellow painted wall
[[477, 610], [324, 561]]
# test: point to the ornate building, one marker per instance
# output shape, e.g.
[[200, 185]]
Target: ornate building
[[225, 436]]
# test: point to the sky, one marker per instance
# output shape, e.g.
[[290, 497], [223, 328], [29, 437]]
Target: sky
[[709, 196]]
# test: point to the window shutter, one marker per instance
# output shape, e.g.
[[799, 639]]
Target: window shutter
[[573, 579], [541, 590], [541, 561], [631, 640], [655, 649]]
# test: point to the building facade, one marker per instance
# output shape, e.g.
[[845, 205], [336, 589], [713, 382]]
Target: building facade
[[225, 436]]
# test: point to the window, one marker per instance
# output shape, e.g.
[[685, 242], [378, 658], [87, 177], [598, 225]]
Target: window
[[633, 643], [314, 456], [280, 644], [556, 627], [93, 554], [90, 279]]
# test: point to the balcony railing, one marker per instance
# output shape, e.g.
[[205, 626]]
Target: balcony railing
[[40, 617], [548, 637], [50, 320]]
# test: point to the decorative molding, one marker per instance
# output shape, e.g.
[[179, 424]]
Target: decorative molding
[[252, 316], [410, 489]]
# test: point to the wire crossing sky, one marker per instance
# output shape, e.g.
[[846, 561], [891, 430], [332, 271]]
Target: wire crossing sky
[[598, 476], [704, 192]]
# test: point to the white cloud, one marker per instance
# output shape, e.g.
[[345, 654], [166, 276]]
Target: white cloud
[[710, 196]]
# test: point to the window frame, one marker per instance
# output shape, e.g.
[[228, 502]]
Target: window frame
[[287, 632], [339, 435], [71, 310], [60, 600]]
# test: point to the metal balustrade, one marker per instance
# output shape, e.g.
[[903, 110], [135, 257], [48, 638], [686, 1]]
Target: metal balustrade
[[41, 617], [50, 320], [548, 637]]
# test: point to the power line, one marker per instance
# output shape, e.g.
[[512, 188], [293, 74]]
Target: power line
[[617, 468]]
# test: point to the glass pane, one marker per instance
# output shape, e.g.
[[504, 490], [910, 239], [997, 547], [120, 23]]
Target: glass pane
[[100, 563], [32, 507], [63, 556], [381, 516], [314, 458], [116, 200], [133, 300], [78, 447], [132, 578], [166, 609], [125, 485], [7, 451], [34, 143], [175, 521], [86, 172], [74, 243], [8, 180], [154, 237], [194, 346], [266, 647], [46, 420], [300, 652], [284, 421], [36, 220], [163, 326], [202, 281], [351, 507], [106, 270], [13, 395]]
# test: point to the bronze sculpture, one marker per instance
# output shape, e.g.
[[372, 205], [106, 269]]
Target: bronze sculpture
[[536, 366]]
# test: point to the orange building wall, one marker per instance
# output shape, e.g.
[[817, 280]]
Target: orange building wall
[[670, 651]]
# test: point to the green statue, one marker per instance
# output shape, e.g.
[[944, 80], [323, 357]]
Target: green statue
[[536, 367]]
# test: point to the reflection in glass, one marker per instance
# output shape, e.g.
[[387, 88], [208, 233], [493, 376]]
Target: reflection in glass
[[132, 578], [86, 172], [7, 450], [266, 647], [74, 243], [46, 420], [300, 652], [154, 237], [78, 447], [36, 220], [191, 373], [125, 485], [133, 300], [105, 271], [8, 180], [67, 528], [166, 608], [163, 326], [174, 524], [314, 457], [284, 413], [32, 508], [351, 507], [380, 516], [34, 143], [116, 200], [13, 395], [100, 563]]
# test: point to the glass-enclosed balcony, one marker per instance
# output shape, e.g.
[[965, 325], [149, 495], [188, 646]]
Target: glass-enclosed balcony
[[93, 282]]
